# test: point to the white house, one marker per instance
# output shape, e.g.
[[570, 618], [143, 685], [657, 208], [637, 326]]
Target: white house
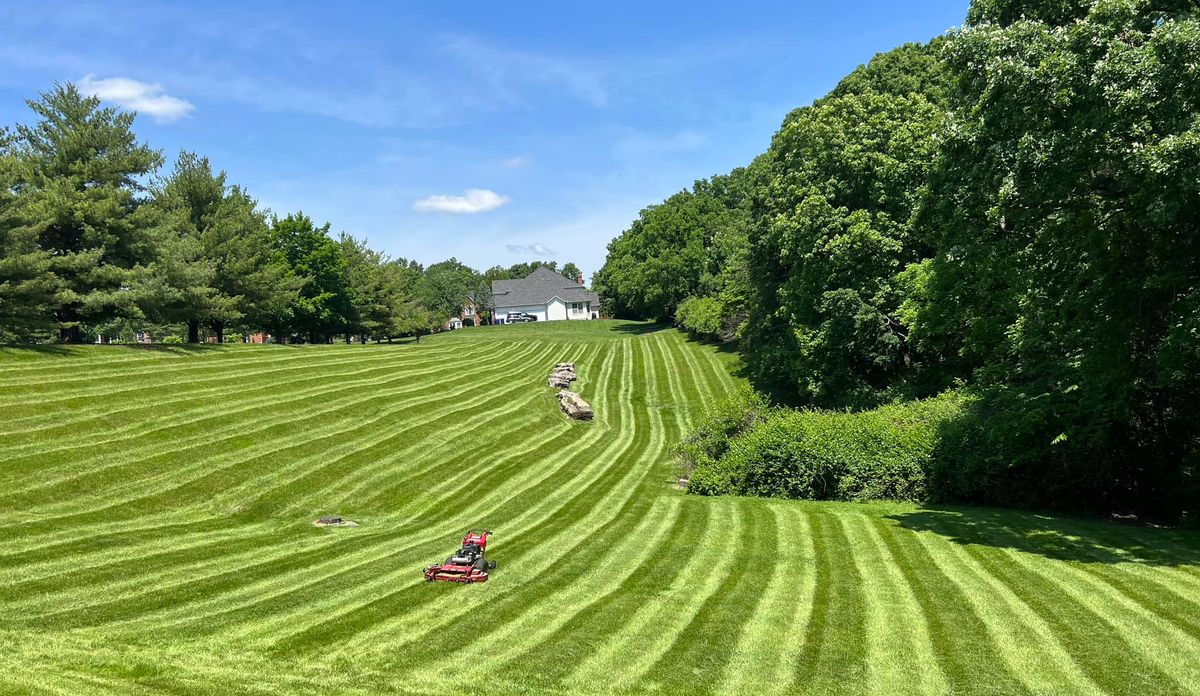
[[546, 295]]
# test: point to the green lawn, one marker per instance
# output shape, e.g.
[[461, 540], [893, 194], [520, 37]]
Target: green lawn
[[155, 537]]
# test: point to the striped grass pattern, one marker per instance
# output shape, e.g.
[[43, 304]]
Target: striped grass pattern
[[155, 537]]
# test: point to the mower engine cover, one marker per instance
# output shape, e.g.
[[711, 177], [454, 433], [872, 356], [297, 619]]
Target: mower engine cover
[[468, 564]]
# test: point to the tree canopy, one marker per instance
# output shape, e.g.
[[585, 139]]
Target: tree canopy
[[1011, 208]]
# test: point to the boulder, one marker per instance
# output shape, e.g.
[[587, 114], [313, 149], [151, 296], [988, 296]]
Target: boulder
[[565, 366], [564, 374], [558, 382], [574, 406]]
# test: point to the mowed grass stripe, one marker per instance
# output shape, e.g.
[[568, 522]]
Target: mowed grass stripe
[[965, 648], [278, 430], [704, 647], [157, 564], [412, 624], [833, 658], [571, 557], [472, 474], [160, 597], [1030, 648], [428, 434], [513, 550], [122, 413], [480, 658], [761, 662], [596, 624], [1115, 659], [560, 552], [206, 422], [409, 573], [898, 636]]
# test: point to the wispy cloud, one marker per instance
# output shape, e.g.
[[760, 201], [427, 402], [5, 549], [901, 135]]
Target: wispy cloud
[[142, 97], [473, 201], [507, 72], [518, 162], [535, 249]]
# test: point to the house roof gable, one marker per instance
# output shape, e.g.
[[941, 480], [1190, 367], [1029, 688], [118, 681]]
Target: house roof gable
[[538, 288]]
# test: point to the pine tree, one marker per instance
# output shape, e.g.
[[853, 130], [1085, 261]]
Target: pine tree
[[74, 227], [214, 265], [27, 290]]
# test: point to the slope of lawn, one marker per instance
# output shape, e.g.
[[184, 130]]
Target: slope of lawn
[[155, 537]]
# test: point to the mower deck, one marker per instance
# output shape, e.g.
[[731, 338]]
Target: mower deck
[[467, 565]]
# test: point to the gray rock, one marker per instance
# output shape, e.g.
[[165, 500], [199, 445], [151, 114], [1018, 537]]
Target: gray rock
[[574, 406]]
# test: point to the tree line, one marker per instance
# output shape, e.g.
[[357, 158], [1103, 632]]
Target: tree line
[[97, 241], [1013, 210]]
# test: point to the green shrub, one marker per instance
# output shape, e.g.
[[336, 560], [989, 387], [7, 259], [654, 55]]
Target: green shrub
[[233, 337], [172, 339], [701, 316], [729, 418], [883, 454]]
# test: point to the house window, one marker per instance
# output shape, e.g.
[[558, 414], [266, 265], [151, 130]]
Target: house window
[[468, 311]]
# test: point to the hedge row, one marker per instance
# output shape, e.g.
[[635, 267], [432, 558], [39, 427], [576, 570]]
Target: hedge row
[[744, 448]]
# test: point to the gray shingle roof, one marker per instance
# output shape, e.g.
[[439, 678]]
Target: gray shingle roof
[[538, 288]]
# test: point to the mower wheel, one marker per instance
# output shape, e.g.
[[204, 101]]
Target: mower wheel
[[492, 565]]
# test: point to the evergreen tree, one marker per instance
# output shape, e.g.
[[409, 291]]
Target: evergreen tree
[[216, 265], [79, 173], [28, 290], [371, 294]]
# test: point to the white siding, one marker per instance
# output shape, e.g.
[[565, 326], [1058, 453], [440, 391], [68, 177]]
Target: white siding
[[538, 311], [579, 310], [556, 310]]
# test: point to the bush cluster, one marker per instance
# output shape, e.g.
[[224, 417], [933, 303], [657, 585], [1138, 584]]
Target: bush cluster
[[700, 316], [882, 454]]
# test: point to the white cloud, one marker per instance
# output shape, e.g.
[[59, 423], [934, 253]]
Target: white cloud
[[142, 97], [517, 162], [474, 201], [535, 249]]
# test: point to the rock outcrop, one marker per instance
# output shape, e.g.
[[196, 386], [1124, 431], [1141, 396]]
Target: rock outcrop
[[574, 406]]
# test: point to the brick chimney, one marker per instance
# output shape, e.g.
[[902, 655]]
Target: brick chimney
[[579, 279]]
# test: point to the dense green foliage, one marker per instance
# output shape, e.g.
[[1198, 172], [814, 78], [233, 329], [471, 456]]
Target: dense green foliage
[[692, 244], [727, 419], [881, 454], [156, 539], [1013, 207], [1066, 208], [70, 229], [831, 247], [701, 316]]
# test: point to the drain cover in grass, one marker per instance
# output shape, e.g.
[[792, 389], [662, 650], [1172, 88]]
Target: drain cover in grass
[[334, 521]]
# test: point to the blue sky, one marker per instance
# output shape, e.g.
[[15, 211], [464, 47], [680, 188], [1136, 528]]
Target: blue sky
[[493, 132]]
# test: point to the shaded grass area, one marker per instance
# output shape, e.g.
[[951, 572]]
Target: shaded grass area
[[155, 536]]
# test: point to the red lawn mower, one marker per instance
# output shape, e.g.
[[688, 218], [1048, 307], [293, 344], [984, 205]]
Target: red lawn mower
[[468, 564]]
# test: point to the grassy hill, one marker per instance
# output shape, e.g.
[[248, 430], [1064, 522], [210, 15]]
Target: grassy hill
[[155, 508]]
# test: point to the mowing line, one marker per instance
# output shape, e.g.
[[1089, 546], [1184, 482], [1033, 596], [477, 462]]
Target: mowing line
[[624, 658], [759, 663], [898, 638], [833, 657]]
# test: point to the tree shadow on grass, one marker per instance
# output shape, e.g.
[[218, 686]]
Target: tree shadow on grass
[[175, 348], [77, 349], [1059, 538], [640, 328]]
